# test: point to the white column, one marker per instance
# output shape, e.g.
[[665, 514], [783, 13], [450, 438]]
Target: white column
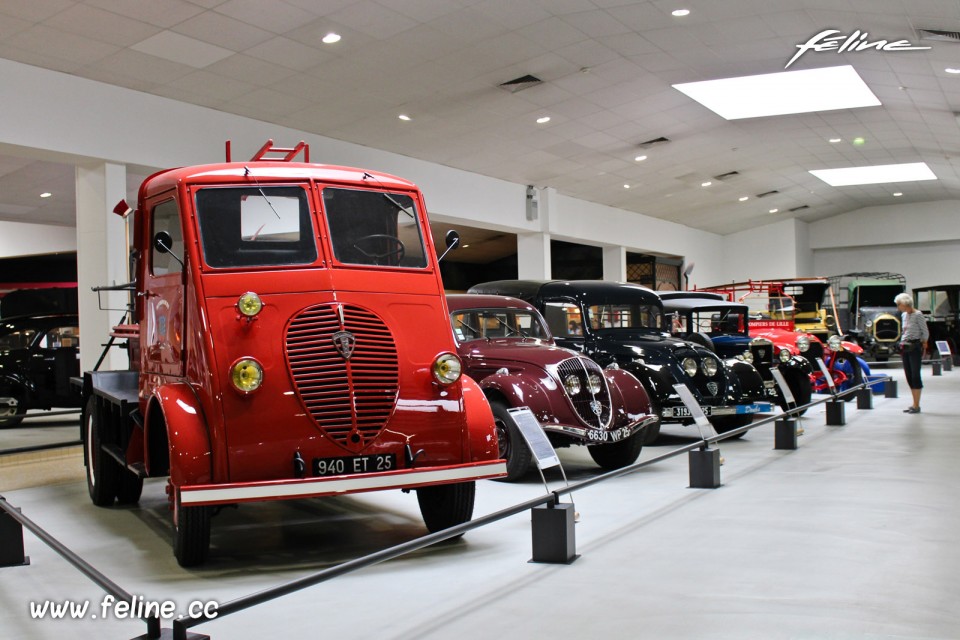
[[615, 264], [101, 259], [533, 256]]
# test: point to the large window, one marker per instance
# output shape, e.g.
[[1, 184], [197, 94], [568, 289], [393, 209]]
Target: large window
[[255, 227], [166, 217], [374, 228], [623, 316]]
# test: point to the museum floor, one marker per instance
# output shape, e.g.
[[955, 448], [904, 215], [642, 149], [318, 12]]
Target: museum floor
[[853, 535]]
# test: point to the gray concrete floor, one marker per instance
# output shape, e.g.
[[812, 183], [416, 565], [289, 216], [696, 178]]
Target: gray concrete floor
[[853, 535]]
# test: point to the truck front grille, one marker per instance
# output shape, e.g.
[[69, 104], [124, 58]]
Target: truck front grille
[[593, 410], [350, 398], [887, 330]]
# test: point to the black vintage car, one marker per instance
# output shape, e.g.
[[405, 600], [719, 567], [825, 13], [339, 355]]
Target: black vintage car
[[620, 324], [940, 305], [725, 327]]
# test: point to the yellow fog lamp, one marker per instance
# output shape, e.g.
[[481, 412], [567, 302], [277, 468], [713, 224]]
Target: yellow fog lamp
[[447, 368], [246, 375], [249, 304]]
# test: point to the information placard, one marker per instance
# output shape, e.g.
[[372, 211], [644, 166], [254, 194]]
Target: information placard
[[784, 387], [536, 439], [827, 376], [706, 429], [943, 347]]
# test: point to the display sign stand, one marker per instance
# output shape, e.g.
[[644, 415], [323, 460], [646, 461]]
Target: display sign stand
[[11, 542], [946, 357], [836, 415], [705, 462], [785, 429], [552, 525]]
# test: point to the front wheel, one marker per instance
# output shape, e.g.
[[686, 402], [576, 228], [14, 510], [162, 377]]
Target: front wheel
[[103, 473], [13, 416], [617, 455], [191, 533], [446, 505], [510, 444]]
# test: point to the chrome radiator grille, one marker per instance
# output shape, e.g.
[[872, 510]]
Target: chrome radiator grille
[[350, 395], [887, 330], [593, 410]]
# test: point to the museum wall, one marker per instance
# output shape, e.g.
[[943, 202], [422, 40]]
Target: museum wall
[[923, 264], [777, 250], [24, 239]]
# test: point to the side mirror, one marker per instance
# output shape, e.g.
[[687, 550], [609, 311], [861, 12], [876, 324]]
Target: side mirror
[[453, 241], [162, 242]]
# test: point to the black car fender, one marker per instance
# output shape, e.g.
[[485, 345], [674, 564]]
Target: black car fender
[[14, 383], [747, 378]]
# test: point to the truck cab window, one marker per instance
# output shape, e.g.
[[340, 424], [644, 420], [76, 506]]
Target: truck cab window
[[374, 228], [166, 217]]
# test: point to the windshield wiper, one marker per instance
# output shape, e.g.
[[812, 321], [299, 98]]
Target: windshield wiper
[[247, 173], [397, 204]]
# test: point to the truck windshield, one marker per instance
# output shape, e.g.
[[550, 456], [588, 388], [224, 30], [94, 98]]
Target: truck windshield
[[624, 316], [374, 228], [255, 226]]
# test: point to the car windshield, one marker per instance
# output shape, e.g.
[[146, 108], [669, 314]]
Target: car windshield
[[624, 317], [17, 339], [877, 295], [255, 226], [711, 322], [374, 228], [479, 324]]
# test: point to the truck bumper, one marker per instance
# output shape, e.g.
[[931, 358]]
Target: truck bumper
[[211, 494]]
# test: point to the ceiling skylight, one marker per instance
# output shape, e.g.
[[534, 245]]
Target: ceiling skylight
[[878, 174], [777, 94]]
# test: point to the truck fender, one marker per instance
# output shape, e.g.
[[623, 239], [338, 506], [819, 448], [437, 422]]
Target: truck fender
[[632, 396], [481, 432], [176, 407]]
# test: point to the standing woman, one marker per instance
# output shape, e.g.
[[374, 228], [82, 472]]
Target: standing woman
[[913, 343]]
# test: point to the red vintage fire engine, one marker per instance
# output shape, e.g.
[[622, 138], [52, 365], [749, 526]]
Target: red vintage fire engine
[[290, 339]]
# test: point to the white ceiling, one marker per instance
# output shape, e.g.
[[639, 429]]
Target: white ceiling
[[607, 67]]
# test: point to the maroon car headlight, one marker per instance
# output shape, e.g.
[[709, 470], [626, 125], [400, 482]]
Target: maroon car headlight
[[447, 368], [572, 384], [594, 384]]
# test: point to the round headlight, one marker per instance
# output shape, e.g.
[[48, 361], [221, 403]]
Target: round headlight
[[249, 304], [710, 366], [784, 355], [689, 366], [803, 343], [572, 384], [447, 368], [246, 375], [834, 343], [747, 356], [594, 384], [868, 324]]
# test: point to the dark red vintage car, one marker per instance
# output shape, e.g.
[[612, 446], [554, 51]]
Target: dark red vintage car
[[294, 342], [506, 347]]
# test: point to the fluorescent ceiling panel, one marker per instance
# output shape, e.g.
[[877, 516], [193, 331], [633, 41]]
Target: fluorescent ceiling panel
[[777, 94], [879, 174], [185, 50]]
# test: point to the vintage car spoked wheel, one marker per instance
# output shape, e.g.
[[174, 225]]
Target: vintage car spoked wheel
[[397, 252], [617, 455], [103, 473], [191, 532], [12, 416], [446, 505], [724, 424], [511, 446]]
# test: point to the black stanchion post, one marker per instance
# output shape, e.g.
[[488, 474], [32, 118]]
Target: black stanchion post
[[865, 398], [937, 368], [947, 363], [785, 434], [553, 533], [11, 542], [704, 468], [890, 389], [836, 416]]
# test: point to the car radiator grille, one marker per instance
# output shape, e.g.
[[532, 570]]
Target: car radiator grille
[[887, 330], [712, 390], [352, 398], [584, 403], [762, 352]]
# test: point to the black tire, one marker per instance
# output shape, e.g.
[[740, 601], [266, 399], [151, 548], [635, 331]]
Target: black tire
[[617, 455], [724, 424], [14, 419], [191, 534], [511, 445], [129, 488], [103, 472], [446, 505], [801, 388]]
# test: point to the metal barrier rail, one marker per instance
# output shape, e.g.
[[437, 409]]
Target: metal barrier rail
[[45, 414], [105, 583], [41, 447]]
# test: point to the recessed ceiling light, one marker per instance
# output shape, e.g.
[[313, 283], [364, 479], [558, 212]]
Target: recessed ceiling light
[[774, 210], [331, 37], [681, 12], [45, 194], [404, 117], [858, 142], [640, 158], [897, 194], [877, 174], [952, 70], [543, 120], [706, 184], [626, 186], [744, 198], [775, 94], [835, 140], [466, 246]]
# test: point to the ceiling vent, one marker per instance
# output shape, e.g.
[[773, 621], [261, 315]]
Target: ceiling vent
[[727, 176], [654, 142], [521, 83], [800, 208], [767, 193], [937, 35]]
